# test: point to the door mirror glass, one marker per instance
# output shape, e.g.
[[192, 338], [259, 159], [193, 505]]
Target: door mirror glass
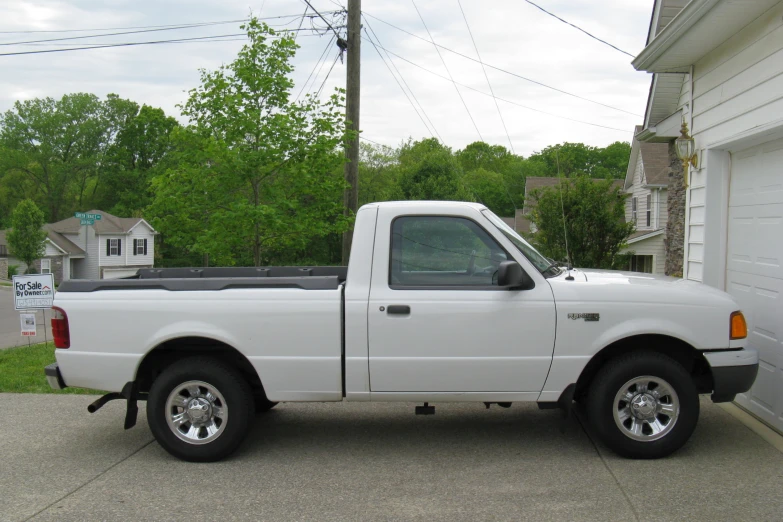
[[511, 276]]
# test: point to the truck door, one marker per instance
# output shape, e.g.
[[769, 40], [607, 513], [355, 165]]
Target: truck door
[[438, 322]]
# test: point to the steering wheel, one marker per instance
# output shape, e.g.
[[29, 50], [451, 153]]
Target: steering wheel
[[471, 264]]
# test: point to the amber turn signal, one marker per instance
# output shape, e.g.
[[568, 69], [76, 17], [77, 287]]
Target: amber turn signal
[[739, 328]]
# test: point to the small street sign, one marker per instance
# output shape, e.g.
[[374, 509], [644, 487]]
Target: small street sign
[[33, 291], [28, 325], [85, 216], [87, 221]]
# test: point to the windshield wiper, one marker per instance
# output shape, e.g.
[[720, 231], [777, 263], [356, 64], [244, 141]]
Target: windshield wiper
[[553, 264]]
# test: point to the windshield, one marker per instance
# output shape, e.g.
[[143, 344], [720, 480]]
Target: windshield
[[523, 246]]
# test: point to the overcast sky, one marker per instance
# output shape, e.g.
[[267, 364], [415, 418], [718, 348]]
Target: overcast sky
[[510, 34]]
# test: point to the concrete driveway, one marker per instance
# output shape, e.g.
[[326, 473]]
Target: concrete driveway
[[376, 462], [11, 329]]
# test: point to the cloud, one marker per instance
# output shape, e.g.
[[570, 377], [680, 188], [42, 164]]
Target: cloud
[[510, 34]]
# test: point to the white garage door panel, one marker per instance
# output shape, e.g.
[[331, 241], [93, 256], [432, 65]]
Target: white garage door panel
[[754, 263]]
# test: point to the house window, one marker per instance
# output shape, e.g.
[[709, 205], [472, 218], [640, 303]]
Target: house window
[[46, 266], [138, 246], [649, 209], [634, 207], [642, 264], [114, 247]]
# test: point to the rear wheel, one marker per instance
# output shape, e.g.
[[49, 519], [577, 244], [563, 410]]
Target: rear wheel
[[643, 405], [200, 409]]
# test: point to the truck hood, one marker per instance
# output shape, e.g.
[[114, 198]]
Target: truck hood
[[612, 285]]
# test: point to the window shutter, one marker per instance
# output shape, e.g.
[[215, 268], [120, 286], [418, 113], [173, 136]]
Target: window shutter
[[108, 247], [145, 246], [119, 247], [134, 246]]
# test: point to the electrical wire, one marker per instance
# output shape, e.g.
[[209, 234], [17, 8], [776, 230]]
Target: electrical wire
[[125, 44], [400, 86], [318, 94], [432, 125], [485, 76], [499, 98], [579, 29], [503, 70], [326, 50], [148, 26], [322, 18], [432, 40]]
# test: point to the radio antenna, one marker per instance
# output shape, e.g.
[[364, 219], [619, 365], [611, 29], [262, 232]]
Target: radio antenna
[[569, 277]]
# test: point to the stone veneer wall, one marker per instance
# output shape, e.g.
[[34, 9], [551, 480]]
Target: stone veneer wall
[[675, 227], [4, 268]]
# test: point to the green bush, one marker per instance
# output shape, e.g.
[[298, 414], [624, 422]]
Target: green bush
[[12, 270]]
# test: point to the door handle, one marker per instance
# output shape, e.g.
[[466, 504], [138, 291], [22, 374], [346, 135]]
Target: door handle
[[398, 309]]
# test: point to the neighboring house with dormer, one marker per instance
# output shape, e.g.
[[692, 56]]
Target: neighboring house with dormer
[[646, 183], [113, 247]]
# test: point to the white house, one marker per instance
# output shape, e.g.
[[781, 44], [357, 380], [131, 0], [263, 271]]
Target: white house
[[646, 183], [718, 66], [113, 247]]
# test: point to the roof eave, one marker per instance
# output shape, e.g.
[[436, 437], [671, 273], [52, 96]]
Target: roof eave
[[653, 233], [681, 24]]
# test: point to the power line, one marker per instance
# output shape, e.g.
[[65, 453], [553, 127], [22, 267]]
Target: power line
[[322, 18], [126, 44], [318, 94], [403, 81], [326, 50], [399, 84], [101, 44], [485, 76], [447, 70], [148, 26], [579, 29], [501, 69], [501, 99]]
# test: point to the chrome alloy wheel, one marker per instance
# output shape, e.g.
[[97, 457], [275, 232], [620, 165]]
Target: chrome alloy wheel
[[646, 408], [196, 412]]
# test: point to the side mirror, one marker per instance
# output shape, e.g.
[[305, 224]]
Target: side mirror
[[511, 276]]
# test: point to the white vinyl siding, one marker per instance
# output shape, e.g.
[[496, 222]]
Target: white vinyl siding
[[638, 194], [141, 232], [86, 268], [737, 86], [651, 247]]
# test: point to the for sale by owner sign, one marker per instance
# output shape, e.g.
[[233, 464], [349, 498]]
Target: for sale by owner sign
[[33, 291]]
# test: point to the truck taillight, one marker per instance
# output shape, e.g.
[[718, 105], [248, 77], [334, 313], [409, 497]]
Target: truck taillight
[[60, 330]]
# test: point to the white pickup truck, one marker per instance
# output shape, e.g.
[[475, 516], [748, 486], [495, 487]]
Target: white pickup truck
[[441, 301]]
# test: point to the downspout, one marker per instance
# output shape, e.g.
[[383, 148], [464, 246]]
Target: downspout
[[686, 226]]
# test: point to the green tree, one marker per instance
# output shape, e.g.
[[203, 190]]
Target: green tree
[[269, 179], [429, 171], [573, 159], [27, 236], [594, 214], [489, 188], [378, 174]]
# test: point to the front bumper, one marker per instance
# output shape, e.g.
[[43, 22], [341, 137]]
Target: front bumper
[[733, 372], [54, 377]]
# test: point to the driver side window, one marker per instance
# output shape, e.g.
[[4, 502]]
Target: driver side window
[[442, 251]]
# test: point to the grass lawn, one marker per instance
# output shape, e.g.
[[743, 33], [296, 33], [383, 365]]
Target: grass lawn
[[22, 370]]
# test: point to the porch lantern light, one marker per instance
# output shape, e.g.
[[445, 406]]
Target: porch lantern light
[[685, 145]]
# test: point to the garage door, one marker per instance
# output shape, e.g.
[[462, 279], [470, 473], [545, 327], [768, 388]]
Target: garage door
[[754, 268]]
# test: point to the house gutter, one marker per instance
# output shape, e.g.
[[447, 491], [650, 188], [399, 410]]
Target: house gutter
[[677, 28]]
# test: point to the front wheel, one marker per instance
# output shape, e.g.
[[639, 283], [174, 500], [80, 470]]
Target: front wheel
[[643, 405], [200, 409]]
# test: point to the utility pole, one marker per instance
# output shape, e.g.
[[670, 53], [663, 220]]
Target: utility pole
[[351, 195]]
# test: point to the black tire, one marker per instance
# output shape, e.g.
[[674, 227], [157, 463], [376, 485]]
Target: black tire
[[235, 392], [613, 377], [263, 405]]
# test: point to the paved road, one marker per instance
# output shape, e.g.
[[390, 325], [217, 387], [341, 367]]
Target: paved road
[[10, 328], [375, 462]]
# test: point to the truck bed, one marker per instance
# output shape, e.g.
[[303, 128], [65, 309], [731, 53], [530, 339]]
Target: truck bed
[[217, 278]]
